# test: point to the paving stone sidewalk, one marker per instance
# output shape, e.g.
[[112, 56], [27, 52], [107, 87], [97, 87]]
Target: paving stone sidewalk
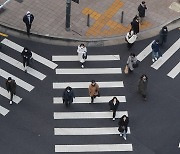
[[105, 16]]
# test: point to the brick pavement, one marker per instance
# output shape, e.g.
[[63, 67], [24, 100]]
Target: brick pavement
[[105, 16]]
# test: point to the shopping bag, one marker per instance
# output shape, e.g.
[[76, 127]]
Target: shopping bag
[[126, 69]]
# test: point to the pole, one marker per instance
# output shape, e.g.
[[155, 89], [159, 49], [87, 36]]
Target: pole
[[88, 22], [68, 14], [122, 16]]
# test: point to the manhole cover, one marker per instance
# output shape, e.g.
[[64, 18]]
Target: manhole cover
[[175, 6]]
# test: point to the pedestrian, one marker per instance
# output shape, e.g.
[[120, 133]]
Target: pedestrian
[[142, 86], [28, 19], [142, 9], [155, 50], [26, 55], [135, 24], [132, 62], [68, 96], [123, 123], [82, 54], [130, 38], [163, 35], [93, 90], [113, 104], [11, 87]]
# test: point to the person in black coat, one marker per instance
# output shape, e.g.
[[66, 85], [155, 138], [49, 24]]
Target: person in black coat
[[26, 54], [142, 9], [135, 24], [11, 87], [113, 104], [68, 96], [28, 19], [142, 86], [123, 124], [163, 35]]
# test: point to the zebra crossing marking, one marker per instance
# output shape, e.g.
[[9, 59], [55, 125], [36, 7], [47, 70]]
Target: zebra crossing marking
[[90, 71], [19, 65], [35, 56], [3, 111], [4, 93], [175, 71], [87, 115], [179, 145], [102, 99], [94, 148], [19, 82], [88, 131], [156, 65], [90, 58], [106, 84]]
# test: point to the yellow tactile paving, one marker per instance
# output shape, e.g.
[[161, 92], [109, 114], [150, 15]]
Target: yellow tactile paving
[[102, 20], [2, 34]]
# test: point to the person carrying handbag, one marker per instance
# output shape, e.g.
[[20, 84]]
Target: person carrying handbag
[[130, 38], [132, 62], [93, 90], [82, 54]]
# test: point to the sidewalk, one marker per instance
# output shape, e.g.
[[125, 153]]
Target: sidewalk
[[105, 17]]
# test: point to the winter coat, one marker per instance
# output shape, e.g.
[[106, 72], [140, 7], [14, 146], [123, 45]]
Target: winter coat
[[68, 96], [155, 47], [135, 26], [142, 86], [131, 61], [11, 86], [131, 37], [141, 10], [26, 54], [93, 90], [26, 20], [123, 124], [81, 51], [163, 36], [113, 106]]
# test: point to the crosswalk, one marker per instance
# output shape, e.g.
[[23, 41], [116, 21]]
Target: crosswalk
[[92, 114], [19, 66], [165, 58]]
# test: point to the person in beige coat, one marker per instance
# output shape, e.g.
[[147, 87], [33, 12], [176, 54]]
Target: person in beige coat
[[93, 90]]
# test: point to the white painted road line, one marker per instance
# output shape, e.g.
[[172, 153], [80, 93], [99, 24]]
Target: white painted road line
[[3, 110], [87, 115], [107, 84], [179, 145], [90, 71], [102, 99], [175, 71], [19, 82], [143, 54], [35, 56], [89, 58], [19, 65], [156, 65], [88, 131], [94, 148], [4, 93]]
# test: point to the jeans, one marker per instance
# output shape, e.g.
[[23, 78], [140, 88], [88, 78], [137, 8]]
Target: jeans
[[123, 133], [155, 55]]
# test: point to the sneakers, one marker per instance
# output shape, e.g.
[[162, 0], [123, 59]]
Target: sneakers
[[153, 60], [156, 58], [113, 119], [10, 102], [124, 138], [82, 66], [120, 134]]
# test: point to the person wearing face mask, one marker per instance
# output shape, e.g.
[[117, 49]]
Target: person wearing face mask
[[113, 104], [142, 86], [28, 19], [27, 55], [93, 90], [132, 62], [68, 96], [82, 54], [123, 124]]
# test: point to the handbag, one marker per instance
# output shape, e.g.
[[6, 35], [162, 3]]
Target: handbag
[[135, 65], [126, 69], [84, 56]]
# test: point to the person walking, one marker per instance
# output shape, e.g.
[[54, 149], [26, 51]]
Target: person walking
[[132, 62], [155, 50], [113, 104], [135, 24], [68, 96], [28, 19], [11, 87], [123, 124], [163, 35], [26, 55], [142, 9], [130, 38], [93, 90], [142, 86], [82, 54]]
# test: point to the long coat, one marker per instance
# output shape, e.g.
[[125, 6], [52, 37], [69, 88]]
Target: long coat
[[135, 26], [11, 86], [123, 124], [131, 37], [142, 10], [81, 51], [131, 60], [27, 21], [113, 106], [93, 90], [163, 36], [142, 86], [26, 54], [68, 95]]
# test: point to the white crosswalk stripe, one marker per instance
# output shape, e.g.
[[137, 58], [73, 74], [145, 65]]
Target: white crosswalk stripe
[[102, 99], [179, 145], [88, 131], [175, 71], [94, 148], [35, 56], [19, 65], [3, 111]]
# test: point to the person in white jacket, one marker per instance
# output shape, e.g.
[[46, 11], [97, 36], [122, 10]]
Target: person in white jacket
[[82, 54], [130, 38]]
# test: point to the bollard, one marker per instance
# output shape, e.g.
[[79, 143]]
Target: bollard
[[122, 16], [88, 20]]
